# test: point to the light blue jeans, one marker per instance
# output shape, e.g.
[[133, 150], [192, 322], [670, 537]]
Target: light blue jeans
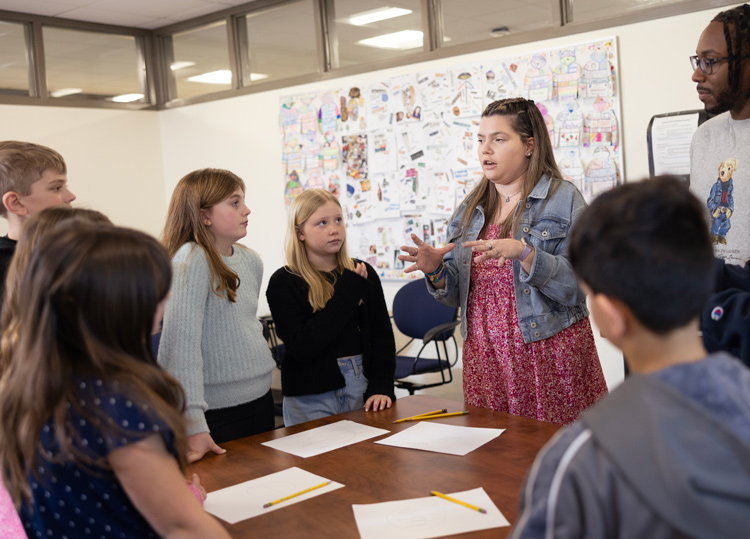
[[348, 398]]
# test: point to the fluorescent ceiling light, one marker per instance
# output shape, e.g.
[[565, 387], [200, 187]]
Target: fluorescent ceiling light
[[127, 98], [406, 39], [367, 17], [65, 91], [181, 65], [257, 76], [222, 76]]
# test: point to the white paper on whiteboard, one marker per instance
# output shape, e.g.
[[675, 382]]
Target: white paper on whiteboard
[[670, 143]]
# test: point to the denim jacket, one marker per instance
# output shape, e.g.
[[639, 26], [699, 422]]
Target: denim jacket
[[548, 299]]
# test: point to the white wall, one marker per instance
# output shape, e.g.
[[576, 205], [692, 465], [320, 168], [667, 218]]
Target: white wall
[[114, 158]]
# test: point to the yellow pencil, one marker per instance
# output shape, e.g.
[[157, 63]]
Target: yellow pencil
[[436, 416], [301, 492], [459, 502], [422, 415]]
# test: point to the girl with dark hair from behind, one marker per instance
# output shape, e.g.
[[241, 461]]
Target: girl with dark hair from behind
[[37, 226], [84, 458], [529, 349]]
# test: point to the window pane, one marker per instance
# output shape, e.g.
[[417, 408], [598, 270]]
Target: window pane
[[474, 20], [200, 61], [590, 10], [362, 38], [281, 42], [93, 65], [14, 65]]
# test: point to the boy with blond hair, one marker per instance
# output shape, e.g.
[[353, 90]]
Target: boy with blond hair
[[667, 453], [32, 178]]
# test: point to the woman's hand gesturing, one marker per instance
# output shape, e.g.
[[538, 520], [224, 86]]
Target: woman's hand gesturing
[[425, 258]]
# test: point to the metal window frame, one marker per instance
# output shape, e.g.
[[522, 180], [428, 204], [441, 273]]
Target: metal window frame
[[155, 51], [37, 65]]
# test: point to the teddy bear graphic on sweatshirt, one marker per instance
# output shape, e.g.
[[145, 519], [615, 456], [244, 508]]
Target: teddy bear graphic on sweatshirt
[[721, 202]]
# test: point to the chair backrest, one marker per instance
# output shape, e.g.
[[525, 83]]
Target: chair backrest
[[415, 311]]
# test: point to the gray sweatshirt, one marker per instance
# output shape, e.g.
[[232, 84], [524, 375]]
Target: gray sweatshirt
[[664, 455], [720, 178], [213, 347]]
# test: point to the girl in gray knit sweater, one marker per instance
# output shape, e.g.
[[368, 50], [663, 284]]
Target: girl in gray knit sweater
[[212, 341]]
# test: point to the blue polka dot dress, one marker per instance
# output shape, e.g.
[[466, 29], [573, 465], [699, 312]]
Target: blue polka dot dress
[[71, 499]]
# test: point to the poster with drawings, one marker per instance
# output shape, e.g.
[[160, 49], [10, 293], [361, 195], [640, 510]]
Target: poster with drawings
[[433, 89], [387, 197], [437, 142], [462, 151], [383, 153], [410, 145], [378, 105], [401, 152], [406, 103], [353, 113], [441, 192], [465, 97]]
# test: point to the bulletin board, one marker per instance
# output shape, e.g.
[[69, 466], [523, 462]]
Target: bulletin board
[[400, 153]]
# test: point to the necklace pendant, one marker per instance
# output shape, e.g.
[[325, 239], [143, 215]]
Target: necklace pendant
[[507, 199]]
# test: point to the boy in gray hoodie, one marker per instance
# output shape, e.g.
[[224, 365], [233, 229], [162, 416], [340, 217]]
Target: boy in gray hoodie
[[667, 453]]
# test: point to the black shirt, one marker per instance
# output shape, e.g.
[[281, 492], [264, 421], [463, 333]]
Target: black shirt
[[7, 249]]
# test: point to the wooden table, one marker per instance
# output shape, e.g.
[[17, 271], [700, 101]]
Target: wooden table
[[377, 473]]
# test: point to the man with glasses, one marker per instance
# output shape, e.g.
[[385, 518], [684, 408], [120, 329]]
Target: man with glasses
[[720, 152], [720, 174]]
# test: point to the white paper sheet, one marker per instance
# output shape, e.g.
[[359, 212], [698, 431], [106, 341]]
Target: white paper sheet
[[670, 143], [246, 500], [441, 438], [326, 438], [428, 517]]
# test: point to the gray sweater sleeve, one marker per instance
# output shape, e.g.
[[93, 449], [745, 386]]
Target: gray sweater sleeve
[[180, 347]]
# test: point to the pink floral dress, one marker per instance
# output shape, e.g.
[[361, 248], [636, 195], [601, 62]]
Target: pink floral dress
[[554, 379]]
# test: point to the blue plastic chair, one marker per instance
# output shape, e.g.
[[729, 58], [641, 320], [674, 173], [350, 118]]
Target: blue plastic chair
[[418, 316]]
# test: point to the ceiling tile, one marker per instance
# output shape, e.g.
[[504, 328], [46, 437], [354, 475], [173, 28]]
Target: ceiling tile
[[150, 8], [37, 7], [106, 17]]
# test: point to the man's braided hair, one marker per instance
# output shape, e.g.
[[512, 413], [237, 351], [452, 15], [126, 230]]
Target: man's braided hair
[[736, 20]]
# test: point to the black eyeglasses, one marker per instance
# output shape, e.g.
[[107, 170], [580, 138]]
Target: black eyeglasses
[[706, 64]]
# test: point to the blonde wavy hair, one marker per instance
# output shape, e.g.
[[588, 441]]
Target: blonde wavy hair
[[303, 206]]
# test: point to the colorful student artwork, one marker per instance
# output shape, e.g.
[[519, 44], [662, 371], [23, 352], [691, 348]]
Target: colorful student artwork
[[600, 125], [401, 152], [466, 91], [352, 110], [378, 103], [354, 155], [601, 174], [537, 84], [406, 103], [569, 125], [565, 76]]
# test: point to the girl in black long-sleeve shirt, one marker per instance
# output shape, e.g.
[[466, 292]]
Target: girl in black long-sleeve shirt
[[331, 314]]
